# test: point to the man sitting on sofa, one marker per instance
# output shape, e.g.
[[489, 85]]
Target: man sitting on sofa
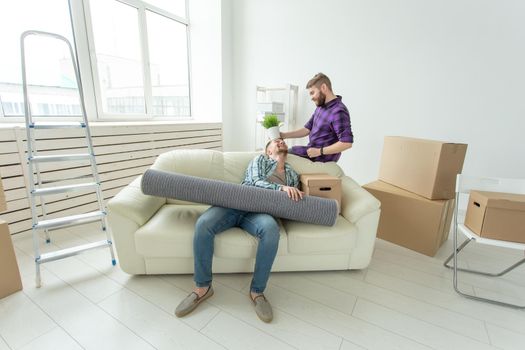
[[267, 171]]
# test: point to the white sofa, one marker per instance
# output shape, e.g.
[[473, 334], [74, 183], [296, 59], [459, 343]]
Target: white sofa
[[154, 235]]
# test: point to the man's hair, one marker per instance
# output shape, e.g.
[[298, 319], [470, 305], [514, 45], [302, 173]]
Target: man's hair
[[266, 147], [268, 144], [318, 80]]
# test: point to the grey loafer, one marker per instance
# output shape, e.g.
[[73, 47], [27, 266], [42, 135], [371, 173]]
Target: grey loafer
[[189, 303], [262, 307]]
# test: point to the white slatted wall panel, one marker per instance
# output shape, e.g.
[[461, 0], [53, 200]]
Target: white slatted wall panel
[[123, 152]]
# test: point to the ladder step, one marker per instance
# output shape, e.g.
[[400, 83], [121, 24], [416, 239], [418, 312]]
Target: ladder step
[[63, 189], [65, 125], [70, 220], [60, 158], [64, 253]]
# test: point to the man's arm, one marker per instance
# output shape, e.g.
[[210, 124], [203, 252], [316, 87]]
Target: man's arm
[[295, 134], [337, 147], [292, 189]]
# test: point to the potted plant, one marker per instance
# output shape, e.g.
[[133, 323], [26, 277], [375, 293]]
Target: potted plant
[[271, 123]]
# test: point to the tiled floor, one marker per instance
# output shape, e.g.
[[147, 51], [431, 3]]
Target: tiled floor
[[404, 300]]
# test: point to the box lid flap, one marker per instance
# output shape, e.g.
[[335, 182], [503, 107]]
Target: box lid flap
[[388, 188], [318, 179], [501, 200], [414, 139]]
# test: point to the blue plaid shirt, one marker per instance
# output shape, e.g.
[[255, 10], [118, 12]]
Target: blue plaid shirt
[[261, 167]]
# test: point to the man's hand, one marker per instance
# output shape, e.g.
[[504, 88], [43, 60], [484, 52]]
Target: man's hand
[[293, 192], [313, 152]]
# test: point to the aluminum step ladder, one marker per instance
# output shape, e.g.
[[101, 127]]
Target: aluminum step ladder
[[35, 184]]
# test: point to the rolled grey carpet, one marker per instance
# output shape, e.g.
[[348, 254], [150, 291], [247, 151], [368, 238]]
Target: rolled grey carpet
[[310, 209]]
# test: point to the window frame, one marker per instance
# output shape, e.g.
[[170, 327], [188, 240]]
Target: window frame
[[83, 46], [142, 7]]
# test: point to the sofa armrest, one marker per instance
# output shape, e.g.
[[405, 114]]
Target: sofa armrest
[[356, 201], [131, 203]]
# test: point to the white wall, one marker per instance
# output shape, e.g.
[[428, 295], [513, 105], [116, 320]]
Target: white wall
[[205, 59], [450, 70], [227, 66]]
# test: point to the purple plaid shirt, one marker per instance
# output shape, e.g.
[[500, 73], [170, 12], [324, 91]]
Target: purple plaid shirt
[[329, 123]]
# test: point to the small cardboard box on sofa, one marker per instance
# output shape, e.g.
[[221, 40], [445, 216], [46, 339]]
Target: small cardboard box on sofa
[[322, 185]]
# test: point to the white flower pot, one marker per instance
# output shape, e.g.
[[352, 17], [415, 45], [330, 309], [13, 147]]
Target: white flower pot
[[273, 133]]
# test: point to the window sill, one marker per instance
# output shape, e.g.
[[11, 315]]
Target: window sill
[[11, 124]]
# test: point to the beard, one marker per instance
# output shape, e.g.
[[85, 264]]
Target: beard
[[282, 151], [320, 100]]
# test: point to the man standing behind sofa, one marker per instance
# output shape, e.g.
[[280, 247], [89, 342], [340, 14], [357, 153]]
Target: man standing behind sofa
[[329, 128], [267, 171]]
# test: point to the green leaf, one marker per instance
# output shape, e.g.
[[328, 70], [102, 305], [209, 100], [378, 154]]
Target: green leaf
[[270, 120]]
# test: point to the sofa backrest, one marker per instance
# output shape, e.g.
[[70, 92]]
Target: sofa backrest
[[195, 162], [235, 164], [229, 166]]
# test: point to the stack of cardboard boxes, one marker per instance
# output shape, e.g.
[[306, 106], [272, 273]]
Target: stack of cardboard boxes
[[416, 188], [9, 274]]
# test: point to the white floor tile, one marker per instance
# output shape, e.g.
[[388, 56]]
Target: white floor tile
[[409, 264], [99, 259], [237, 281], [21, 320], [505, 339], [26, 262], [25, 244], [501, 316], [234, 334], [3, 344], [89, 325], [167, 297], [438, 316], [422, 332], [159, 328], [435, 276], [319, 292], [287, 328], [507, 295], [84, 278], [351, 328], [346, 345], [55, 339]]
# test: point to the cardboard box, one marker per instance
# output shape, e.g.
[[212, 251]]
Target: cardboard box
[[3, 205], [410, 220], [322, 185], [425, 167], [497, 215], [9, 274]]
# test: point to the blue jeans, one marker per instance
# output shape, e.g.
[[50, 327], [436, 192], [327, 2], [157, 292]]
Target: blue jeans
[[216, 220]]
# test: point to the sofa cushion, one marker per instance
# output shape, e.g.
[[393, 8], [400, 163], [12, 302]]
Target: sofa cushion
[[315, 239], [169, 233]]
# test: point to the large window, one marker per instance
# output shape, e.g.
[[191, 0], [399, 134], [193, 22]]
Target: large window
[[141, 55], [136, 54], [51, 79]]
